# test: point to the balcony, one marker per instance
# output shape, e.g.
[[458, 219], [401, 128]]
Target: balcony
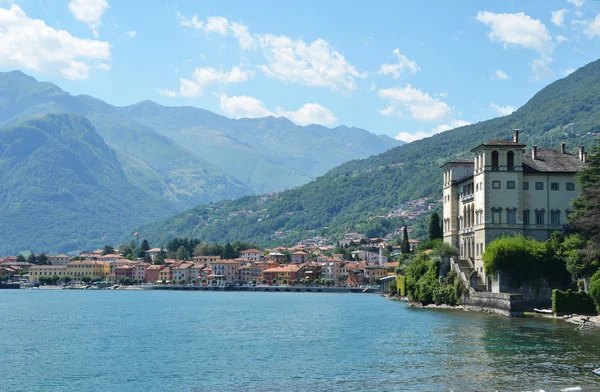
[[466, 197]]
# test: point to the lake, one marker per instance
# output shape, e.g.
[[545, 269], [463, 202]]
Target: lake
[[65, 340]]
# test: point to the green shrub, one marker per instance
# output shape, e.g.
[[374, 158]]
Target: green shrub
[[444, 294], [595, 289], [401, 285], [566, 302], [393, 290]]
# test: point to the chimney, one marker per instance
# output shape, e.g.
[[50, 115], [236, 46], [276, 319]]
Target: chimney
[[581, 153], [516, 136], [563, 148], [534, 152], [585, 157]]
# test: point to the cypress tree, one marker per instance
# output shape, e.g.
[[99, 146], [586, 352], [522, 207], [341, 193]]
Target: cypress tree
[[435, 229], [405, 247], [228, 252]]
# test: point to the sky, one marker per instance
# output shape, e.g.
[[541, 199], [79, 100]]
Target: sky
[[406, 69]]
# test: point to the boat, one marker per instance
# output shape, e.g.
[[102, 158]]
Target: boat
[[543, 311], [596, 372]]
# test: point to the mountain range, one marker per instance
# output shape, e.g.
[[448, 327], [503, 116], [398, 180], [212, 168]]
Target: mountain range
[[159, 160], [349, 196]]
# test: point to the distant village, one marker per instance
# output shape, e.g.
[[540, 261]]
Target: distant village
[[364, 261]]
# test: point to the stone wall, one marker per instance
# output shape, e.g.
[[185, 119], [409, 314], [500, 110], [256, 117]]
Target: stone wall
[[500, 303]]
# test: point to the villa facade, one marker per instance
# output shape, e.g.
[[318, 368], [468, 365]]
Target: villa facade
[[506, 189]]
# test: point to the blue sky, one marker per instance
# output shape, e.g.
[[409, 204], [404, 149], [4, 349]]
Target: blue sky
[[404, 69]]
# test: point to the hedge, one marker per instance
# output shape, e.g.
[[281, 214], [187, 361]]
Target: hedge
[[401, 284], [567, 302]]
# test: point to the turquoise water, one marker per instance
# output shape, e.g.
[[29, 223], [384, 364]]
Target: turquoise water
[[220, 341]]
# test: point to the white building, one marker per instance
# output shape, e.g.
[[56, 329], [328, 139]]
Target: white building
[[59, 260], [505, 189], [369, 257], [252, 255]]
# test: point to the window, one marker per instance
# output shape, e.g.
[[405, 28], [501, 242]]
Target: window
[[510, 161], [554, 186], [570, 186], [539, 217], [495, 160], [555, 217], [510, 185], [539, 186], [525, 186], [496, 215], [511, 217], [496, 184]]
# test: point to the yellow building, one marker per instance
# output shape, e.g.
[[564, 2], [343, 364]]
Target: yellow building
[[92, 268], [37, 271]]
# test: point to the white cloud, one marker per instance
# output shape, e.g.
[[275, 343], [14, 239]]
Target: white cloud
[[500, 75], [540, 70], [309, 113], [131, 33], [518, 29], [203, 77], [568, 71], [396, 69], [558, 17], [30, 43], [502, 110], [243, 106], [593, 29], [388, 111], [89, 11], [411, 137], [222, 26], [250, 107], [560, 38], [168, 93], [315, 64], [576, 3], [420, 105]]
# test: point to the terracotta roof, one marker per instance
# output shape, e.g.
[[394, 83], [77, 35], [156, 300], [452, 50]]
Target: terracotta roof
[[549, 160], [287, 268], [300, 253], [153, 250], [251, 251]]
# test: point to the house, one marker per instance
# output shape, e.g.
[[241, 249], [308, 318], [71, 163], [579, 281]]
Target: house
[[252, 255], [299, 257], [165, 275], [413, 244], [505, 189], [181, 273], [59, 260], [152, 253], [228, 270], [374, 272], [252, 272], [124, 271], [331, 268], [205, 259], [284, 275], [139, 271], [37, 271], [92, 268], [277, 256], [152, 273], [369, 257]]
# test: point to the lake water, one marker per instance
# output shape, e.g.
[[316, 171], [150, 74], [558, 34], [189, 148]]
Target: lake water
[[197, 341]]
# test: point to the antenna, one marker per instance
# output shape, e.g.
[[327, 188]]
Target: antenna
[[137, 244]]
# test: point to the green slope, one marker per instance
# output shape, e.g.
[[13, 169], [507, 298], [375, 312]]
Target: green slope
[[62, 188], [150, 159], [346, 196], [268, 154]]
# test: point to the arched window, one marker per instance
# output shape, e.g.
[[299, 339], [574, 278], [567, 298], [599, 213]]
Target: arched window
[[510, 161], [494, 160]]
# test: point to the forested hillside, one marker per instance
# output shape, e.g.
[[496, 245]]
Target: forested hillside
[[343, 199]]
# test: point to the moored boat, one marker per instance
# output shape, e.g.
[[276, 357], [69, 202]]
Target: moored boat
[[543, 311]]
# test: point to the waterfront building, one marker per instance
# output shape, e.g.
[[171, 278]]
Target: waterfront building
[[58, 260], [181, 273], [92, 268], [37, 271], [288, 273], [152, 272], [139, 271], [165, 275], [227, 270], [374, 272], [505, 189], [369, 257], [205, 259], [123, 271]]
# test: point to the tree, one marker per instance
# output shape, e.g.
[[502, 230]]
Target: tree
[[66, 279], [182, 253], [42, 259], [228, 252], [86, 279], [159, 259], [405, 247], [143, 249], [435, 229], [32, 258], [108, 250], [585, 219], [21, 258]]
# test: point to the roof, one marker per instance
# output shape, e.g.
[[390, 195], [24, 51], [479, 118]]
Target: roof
[[300, 253], [550, 160], [153, 250], [500, 143], [287, 268], [251, 251], [460, 160]]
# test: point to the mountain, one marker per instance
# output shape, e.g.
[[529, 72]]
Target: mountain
[[150, 160], [267, 154], [347, 196], [63, 188]]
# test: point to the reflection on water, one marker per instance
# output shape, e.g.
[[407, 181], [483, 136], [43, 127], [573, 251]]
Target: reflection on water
[[197, 341]]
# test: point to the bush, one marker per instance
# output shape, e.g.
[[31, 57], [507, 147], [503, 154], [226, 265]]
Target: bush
[[595, 289], [393, 288], [444, 294], [566, 302], [401, 285]]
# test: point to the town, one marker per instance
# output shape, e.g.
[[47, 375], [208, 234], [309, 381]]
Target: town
[[361, 262]]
